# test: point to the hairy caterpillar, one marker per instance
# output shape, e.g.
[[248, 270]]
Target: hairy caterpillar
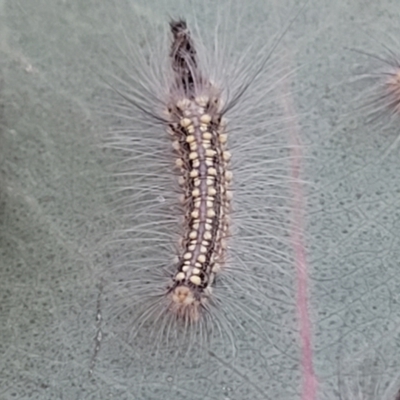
[[206, 249]]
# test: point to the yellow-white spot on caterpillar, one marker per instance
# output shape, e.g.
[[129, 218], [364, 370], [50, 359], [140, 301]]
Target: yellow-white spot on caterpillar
[[201, 258], [210, 153], [226, 155], [193, 146], [216, 268], [185, 122], [193, 155], [211, 191], [180, 276], [197, 202], [202, 100], [203, 249], [196, 280], [183, 104], [175, 145], [207, 235], [210, 213], [212, 171], [228, 175], [194, 173], [205, 119], [223, 137], [210, 181], [195, 214]]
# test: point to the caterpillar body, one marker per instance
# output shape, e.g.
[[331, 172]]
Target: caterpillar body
[[199, 138]]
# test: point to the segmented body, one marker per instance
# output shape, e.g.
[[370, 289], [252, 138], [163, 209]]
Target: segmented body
[[199, 139]]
